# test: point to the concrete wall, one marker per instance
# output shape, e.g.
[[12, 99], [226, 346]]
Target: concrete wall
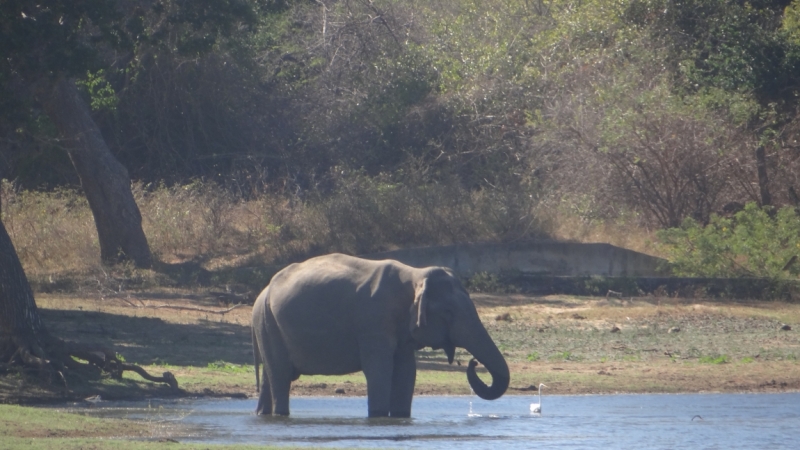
[[543, 258]]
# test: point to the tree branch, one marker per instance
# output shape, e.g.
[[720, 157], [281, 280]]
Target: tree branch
[[190, 308]]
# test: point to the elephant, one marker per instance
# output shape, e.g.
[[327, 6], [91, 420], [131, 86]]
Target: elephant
[[338, 314]]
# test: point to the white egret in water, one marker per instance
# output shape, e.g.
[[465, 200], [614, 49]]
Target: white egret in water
[[536, 408]]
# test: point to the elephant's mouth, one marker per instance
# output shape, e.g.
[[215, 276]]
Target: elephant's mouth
[[450, 351]]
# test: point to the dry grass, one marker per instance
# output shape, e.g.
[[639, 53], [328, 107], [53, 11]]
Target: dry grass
[[54, 232], [623, 232]]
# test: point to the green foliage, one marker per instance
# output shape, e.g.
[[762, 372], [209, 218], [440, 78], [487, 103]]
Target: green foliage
[[597, 285], [791, 22], [730, 45], [752, 243], [100, 91], [472, 41]]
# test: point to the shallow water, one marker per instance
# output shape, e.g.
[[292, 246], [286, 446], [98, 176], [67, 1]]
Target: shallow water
[[443, 422]]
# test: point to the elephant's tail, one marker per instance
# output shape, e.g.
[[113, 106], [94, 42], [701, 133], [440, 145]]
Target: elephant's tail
[[258, 305]]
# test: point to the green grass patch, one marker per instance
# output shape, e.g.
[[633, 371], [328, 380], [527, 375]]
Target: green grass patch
[[16, 443], [33, 428], [39, 422], [721, 359], [224, 366], [357, 377]]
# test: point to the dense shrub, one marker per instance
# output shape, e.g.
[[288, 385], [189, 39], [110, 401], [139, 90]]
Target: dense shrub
[[755, 242]]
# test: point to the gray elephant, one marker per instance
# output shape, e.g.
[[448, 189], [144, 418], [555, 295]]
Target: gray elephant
[[337, 314]]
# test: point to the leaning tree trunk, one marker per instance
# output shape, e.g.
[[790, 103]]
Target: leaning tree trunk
[[104, 179], [22, 332]]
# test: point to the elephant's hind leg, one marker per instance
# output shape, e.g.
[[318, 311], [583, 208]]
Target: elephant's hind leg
[[281, 382], [279, 368], [265, 396]]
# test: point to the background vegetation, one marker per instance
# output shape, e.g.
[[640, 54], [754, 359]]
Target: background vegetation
[[358, 126]]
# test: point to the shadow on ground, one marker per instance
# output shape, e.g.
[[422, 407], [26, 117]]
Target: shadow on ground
[[151, 340]]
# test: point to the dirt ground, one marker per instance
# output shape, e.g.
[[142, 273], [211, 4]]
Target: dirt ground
[[575, 345]]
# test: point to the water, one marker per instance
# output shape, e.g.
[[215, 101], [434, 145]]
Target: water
[[594, 421]]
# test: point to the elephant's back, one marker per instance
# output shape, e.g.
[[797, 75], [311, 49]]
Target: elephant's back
[[321, 279]]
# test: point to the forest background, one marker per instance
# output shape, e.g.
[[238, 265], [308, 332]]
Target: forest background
[[260, 132]]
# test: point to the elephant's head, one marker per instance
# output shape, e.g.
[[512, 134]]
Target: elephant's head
[[443, 316]]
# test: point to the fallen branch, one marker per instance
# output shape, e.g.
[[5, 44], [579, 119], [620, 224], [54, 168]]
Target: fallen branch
[[194, 308], [184, 308], [107, 360], [166, 377]]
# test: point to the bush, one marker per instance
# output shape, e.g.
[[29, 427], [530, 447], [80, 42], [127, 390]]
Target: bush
[[368, 214], [756, 242]]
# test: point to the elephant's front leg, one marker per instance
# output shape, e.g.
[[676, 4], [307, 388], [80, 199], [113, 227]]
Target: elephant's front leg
[[377, 362], [403, 379]]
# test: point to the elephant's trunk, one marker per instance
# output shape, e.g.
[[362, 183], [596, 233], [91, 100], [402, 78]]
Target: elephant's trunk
[[489, 355]]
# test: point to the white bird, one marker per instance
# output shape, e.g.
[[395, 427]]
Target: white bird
[[536, 408], [93, 400]]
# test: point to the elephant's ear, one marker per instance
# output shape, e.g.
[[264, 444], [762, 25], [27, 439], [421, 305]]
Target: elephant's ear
[[420, 306]]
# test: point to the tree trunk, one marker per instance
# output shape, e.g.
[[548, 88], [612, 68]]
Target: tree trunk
[[763, 182], [104, 179], [20, 323]]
